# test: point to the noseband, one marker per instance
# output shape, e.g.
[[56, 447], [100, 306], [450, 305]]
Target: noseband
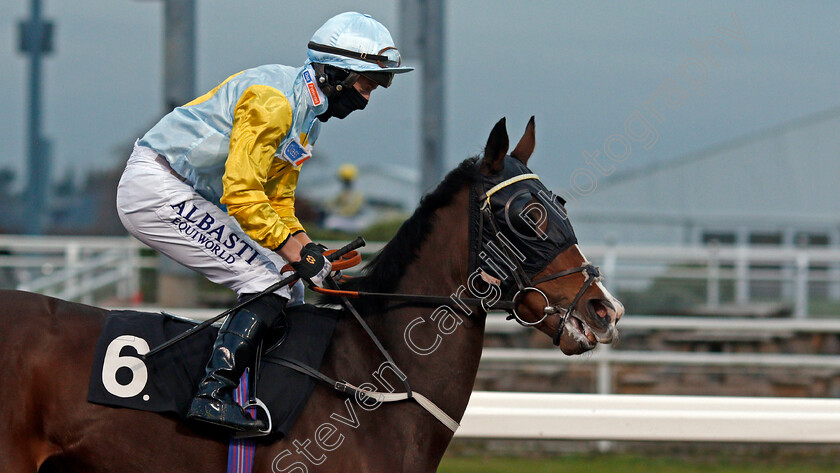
[[523, 283], [591, 273]]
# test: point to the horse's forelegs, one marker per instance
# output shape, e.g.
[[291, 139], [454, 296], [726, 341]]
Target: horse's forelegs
[[18, 459], [22, 448]]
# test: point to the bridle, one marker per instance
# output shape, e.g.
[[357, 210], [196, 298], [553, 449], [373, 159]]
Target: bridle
[[524, 284]]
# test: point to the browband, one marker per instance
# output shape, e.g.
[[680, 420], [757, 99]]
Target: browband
[[503, 184]]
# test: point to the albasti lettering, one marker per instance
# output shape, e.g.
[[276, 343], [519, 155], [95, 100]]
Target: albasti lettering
[[218, 240]]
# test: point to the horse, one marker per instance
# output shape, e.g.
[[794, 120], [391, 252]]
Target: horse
[[47, 347]]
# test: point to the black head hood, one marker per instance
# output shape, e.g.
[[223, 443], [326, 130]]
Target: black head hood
[[532, 222]]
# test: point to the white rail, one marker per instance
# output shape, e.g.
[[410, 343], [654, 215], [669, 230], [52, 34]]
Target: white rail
[[74, 268], [602, 354], [650, 418], [496, 323], [795, 270], [604, 357]]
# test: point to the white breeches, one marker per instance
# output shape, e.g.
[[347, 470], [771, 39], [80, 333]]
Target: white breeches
[[169, 216]]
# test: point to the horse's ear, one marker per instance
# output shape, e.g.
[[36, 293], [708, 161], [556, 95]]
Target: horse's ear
[[526, 145], [496, 149]]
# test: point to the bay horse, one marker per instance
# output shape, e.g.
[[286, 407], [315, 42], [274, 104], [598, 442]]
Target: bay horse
[[47, 348]]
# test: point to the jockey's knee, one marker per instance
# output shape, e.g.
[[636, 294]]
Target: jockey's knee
[[267, 308]]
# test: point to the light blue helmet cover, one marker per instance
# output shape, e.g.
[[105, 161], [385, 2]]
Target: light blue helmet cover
[[355, 32]]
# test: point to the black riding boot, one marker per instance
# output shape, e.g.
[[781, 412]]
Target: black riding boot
[[234, 350]]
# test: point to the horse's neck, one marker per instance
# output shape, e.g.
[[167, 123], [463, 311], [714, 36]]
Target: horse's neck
[[438, 348]]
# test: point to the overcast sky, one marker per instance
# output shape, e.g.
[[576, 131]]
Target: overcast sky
[[594, 74]]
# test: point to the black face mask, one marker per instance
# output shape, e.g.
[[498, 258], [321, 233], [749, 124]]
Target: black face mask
[[345, 102]]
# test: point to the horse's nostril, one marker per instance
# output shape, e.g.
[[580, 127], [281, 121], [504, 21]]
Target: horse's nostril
[[599, 308]]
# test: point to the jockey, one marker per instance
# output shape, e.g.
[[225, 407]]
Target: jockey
[[212, 186]]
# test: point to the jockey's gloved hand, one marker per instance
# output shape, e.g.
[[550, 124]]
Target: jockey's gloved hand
[[316, 247], [321, 249], [313, 267]]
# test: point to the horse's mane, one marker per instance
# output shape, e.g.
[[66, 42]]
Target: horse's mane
[[387, 268]]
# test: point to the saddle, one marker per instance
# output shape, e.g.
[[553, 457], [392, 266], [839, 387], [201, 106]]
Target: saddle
[[278, 383], [166, 382]]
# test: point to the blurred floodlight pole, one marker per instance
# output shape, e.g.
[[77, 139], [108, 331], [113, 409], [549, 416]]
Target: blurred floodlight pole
[[35, 39], [179, 52], [178, 89], [422, 40], [176, 285]]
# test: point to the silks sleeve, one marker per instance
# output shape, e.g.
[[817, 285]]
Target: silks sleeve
[[261, 119], [281, 191]]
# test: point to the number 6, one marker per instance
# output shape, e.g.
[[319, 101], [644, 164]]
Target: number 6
[[113, 362]]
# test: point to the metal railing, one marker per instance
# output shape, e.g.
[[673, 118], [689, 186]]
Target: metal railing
[[83, 269], [73, 268], [794, 270], [735, 269], [604, 357]]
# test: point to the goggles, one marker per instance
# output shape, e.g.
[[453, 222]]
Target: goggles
[[386, 58]]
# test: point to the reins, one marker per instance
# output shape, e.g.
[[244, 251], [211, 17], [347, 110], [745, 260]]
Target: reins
[[337, 256], [414, 299]]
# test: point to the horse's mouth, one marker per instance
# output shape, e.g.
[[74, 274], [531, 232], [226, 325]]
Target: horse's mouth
[[580, 332]]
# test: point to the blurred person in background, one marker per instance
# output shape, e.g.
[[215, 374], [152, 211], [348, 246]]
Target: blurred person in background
[[212, 186], [345, 211]]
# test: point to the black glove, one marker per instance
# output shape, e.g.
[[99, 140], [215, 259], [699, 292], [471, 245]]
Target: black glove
[[321, 249], [316, 247], [313, 267]]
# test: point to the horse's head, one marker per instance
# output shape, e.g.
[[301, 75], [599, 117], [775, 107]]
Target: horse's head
[[523, 241]]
